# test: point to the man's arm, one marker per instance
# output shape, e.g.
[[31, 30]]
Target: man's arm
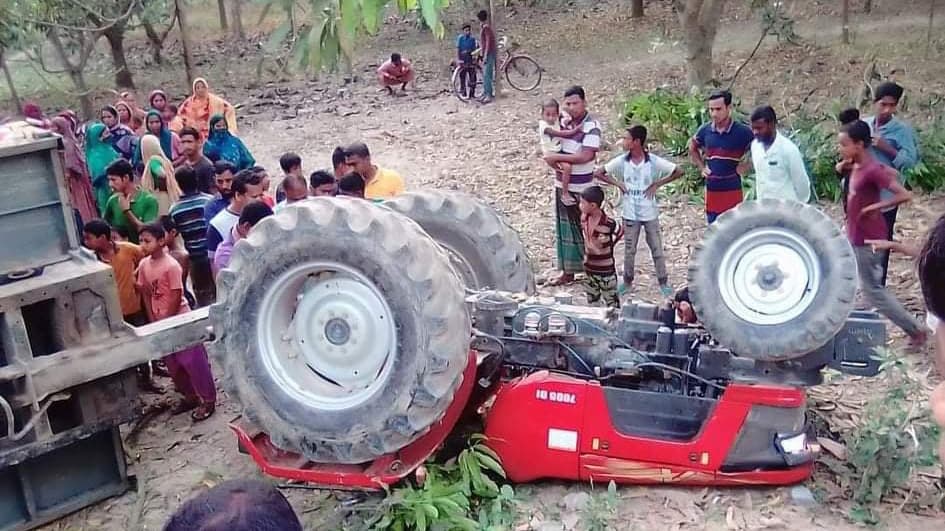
[[798, 174], [695, 155], [907, 249], [581, 157], [603, 176]]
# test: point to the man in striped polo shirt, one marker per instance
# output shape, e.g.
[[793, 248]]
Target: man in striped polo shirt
[[188, 216], [580, 151], [718, 149]]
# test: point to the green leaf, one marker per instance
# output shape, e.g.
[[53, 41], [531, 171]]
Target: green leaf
[[350, 17], [490, 464], [371, 11], [483, 449], [421, 518]]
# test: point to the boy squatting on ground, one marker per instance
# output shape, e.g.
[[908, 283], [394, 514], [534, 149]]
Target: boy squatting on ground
[[550, 131], [600, 235], [640, 174]]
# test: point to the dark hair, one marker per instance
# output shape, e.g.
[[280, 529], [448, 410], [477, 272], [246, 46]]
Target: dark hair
[[724, 94], [320, 177], [395, 58], [244, 178], [221, 166], [186, 179], [289, 160], [168, 223], [155, 229], [253, 212], [121, 168], [121, 231], [848, 115], [236, 505], [110, 110], [593, 194], [859, 131], [98, 228], [888, 89], [189, 131], [932, 269], [173, 107], [682, 295], [549, 103], [294, 181], [575, 90], [766, 113], [358, 149], [482, 15], [637, 132], [351, 184], [338, 157], [467, 26]]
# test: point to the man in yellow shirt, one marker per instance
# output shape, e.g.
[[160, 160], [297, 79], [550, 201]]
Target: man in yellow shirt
[[379, 183]]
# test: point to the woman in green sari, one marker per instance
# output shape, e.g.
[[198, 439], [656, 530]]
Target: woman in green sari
[[99, 153]]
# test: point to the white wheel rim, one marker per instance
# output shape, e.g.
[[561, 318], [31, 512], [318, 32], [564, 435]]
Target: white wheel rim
[[768, 276], [326, 335]]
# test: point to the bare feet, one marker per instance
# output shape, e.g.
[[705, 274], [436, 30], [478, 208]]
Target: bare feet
[[203, 412]]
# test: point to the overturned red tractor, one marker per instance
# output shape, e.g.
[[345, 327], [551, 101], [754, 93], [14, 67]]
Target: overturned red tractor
[[355, 335]]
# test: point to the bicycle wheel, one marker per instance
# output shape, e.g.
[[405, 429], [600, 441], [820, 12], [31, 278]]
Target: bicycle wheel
[[457, 83], [523, 73]]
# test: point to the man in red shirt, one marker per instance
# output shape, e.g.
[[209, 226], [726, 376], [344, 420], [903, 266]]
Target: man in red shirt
[[489, 52], [395, 71], [865, 221]]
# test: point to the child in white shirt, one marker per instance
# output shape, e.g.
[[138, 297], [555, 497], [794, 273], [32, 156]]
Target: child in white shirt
[[550, 131]]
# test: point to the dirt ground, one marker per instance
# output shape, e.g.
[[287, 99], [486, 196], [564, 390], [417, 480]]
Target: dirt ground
[[491, 151]]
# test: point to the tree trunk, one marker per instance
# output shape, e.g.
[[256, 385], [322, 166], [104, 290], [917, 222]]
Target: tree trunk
[[236, 10], [221, 6], [6, 73], [928, 36], [185, 41], [636, 9], [700, 21], [868, 6], [845, 22], [116, 44], [75, 70], [154, 40]]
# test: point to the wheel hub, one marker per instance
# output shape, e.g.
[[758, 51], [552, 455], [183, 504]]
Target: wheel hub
[[769, 276], [327, 335]]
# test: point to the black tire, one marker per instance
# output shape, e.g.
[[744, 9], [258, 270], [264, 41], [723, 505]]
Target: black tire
[[492, 254], [457, 85], [747, 326], [523, 73], [426, 302]]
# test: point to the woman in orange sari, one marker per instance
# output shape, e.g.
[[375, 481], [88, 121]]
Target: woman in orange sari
[[201, 105]]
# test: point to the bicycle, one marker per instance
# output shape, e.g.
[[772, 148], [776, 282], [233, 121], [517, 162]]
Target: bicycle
[[521, 71]]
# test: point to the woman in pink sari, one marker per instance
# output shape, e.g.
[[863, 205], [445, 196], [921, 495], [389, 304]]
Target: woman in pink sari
[[201, 105], [77, 175]]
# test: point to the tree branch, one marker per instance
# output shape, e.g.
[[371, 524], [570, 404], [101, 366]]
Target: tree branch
[[110, 22], [764, 34]]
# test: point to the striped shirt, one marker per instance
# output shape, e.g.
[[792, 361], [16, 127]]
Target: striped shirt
[[605, 235], [725, 148], [188, 216], [582, 175]]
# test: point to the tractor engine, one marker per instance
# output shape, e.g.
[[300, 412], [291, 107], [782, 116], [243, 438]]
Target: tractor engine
[[641, 346]]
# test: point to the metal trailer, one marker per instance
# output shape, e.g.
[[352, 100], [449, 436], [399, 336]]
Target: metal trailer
[[67, 358]]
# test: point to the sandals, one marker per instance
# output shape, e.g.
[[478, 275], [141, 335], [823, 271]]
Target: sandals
[[184, 406], [561, 280], [202, 412]]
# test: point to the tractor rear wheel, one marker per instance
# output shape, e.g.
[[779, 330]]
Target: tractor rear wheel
[[484, 248], [773, 280], [341, 329]]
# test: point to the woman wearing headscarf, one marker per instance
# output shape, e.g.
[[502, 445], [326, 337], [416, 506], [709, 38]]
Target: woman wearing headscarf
[[129, 116], [121, 137], [77, 175], [222, 145], [197, 110], [158, 175], [158, 101], [99, 153], [170, 142], [34, 115]]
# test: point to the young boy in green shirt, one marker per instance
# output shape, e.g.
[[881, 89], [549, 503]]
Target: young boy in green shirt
[[129, 207]]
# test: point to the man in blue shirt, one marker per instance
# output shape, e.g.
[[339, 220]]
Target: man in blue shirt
[[894, 145], [465, 45]]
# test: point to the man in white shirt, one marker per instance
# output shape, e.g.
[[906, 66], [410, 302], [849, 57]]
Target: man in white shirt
[[640, 175], [779, 166]]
